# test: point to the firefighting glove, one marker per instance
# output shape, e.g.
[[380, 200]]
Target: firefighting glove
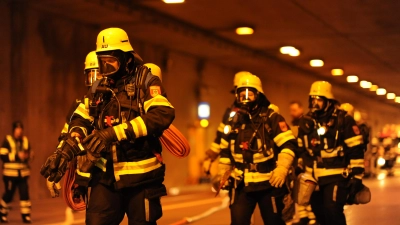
[[79, 193], [278, 176], [54, 188], [56, 165], [355, 185], [98, 142]]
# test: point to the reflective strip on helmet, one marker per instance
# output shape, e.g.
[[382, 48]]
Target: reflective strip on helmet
[[215, 148], [158, 100], [259, 157], [300, 142], [330, 153], [283, 137], [82, 174], [120, 131], [288, 151], [256, 177], [15, 166], [81, 111], [65, 128], [101, 163], [225, 160], [354, 141], [3, 151], [84, 130], [139, 167], [139, 127], [357, 163], [221, 127]]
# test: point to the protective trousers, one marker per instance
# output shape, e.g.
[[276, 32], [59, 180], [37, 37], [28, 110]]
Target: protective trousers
[[11, 184], [245, 202], [328, 203], [108, 206]]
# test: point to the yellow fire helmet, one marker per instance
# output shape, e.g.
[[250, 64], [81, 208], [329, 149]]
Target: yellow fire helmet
[[113, 39], [155, 70], [274, 107], [322, 88], [348, 108], [239, 75], [251, 81], [91, 69]]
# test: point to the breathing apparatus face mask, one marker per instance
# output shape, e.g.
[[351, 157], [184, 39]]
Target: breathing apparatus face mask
[[317, 104], [91, 76], [246, 98], [108, 64]]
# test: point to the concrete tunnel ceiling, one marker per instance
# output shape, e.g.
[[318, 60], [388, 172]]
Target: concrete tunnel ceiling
[[361, 37]]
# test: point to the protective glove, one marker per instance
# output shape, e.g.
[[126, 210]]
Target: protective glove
[[56, 165], [278, 176], [54, 188], [97, 143], [79, 193], [355, 185]]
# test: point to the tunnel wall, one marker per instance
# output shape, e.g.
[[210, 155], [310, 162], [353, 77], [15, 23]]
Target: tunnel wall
[[41, 60]]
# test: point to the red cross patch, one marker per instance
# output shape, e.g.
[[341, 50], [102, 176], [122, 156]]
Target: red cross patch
[[356, 130], [283, 126], [155, 90]]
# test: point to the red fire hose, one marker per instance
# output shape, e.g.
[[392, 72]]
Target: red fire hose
[[172, 139]]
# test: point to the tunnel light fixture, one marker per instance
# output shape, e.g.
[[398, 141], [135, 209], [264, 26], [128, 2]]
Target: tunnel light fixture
[[289, 50], [381, 91], [203, 110], [173, 1], [316, 63], [337, 72], [373, 87], [244, 30], [352, 79], [365, 84], [391, 96], [397, 99]]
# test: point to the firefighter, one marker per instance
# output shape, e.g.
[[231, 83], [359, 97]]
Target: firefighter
[[257, 154], [330, 144], [127, 112], [213, 152], [15, 154]]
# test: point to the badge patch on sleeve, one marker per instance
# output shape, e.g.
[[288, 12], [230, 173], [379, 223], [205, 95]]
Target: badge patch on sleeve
[[283, 126], [155, 90], [356, 130]]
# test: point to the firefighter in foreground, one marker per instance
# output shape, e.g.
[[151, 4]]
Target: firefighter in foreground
[[257, 154], [127, 112], [331, 146], [15, 154]]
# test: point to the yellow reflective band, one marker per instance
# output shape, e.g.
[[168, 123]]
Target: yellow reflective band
[[25, 203], [3, 151], [357, 163], [15, 166], [120, 131], [237, 173], [259, 157], [224, 144], [140, 167], [84, 130], [10, 173], [159, 100], [323, 172], [330, 153], [300, 142], [25, 172], [81, 110], [25, 210], [25, 143], [139, 127], [11, 157], [215, 148], [12, 144], [101, 163], [82, 174], [288, 151], [256, 177], [225, 161], [283, 137], [354, 141], [221, 127], [237, 157], [65, 128]]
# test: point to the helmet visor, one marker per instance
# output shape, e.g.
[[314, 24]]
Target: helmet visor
[[91, 75], [108, 64], [246, 95]]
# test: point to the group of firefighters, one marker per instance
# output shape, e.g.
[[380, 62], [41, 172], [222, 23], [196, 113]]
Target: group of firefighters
[[112, 136]]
